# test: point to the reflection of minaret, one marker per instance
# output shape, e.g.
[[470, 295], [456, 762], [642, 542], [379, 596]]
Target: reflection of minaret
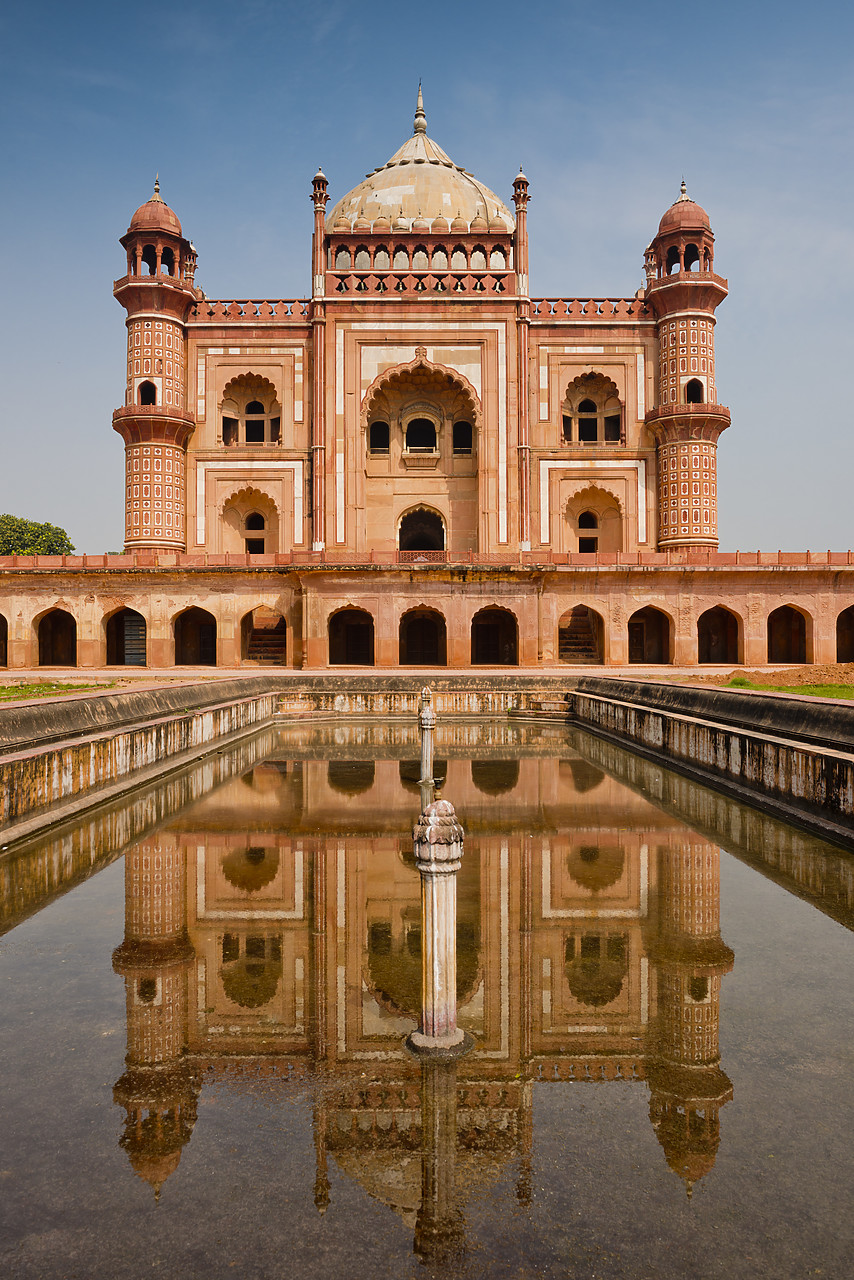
[[687, 1085], [157, 1090]]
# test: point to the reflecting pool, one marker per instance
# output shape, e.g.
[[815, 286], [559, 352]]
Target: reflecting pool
[[206, 992]]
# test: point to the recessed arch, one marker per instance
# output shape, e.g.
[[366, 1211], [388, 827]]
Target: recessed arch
[[695, 392], [251, 968], [495, 638], [845, 635], [787, 635], [421, 529], [420, 379], [718, 636], [125, 634], [596, 965], [195, 634], [264, 637], [57, 639], [581, 635], [650, 636], [147, 393], [250, 412], [351, 638], [252, 868], [250, 523], [4, 641], [592, 411], [423, 638]]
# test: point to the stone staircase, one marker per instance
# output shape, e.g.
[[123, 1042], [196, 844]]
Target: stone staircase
[[267, 645], [576, 642]]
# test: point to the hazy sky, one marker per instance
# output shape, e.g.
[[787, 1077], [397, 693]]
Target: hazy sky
[[607, 105]]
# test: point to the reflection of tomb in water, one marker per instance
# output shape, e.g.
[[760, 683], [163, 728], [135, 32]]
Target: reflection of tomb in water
[[588, 950]]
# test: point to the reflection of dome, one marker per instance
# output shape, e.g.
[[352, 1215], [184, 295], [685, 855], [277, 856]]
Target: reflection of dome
[[595, 982], [585, 776], [395, 975], [250, 982], [250, 869], [351, 777], [155, 215], [683, 1106], [494, 777], [160, 1106], [594, 867], [420, 182], [409, 772]]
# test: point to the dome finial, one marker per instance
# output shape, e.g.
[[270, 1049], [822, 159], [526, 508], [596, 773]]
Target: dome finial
[[683, 191], [420, 117]]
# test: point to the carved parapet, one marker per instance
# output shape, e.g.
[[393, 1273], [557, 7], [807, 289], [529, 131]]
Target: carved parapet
[[670, 423], [686, 291], [158, 423], [248, 310], [167, 294], [590, 309]]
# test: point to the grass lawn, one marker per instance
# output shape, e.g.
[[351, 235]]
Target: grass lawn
[[48, 689], [804, 690]]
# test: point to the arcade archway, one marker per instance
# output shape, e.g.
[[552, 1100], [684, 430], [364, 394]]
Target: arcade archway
[[57, 636], [787, 635], [423, 639], [195, 638], [494, 638], [351, 638], [717, 636], [126, 637], [649, 636]]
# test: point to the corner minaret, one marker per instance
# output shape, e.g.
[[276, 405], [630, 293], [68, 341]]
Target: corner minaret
[[157, 293], [683, 292]]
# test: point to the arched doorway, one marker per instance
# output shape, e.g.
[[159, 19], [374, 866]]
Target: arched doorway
[[4, 642], [57, 639], [787, 635], [422, 535], [649, 636], [351, 638], [195, 638], [423, 640], [494, 638], [264, 637], [717, 636], [845, 635], [580, 636], [126, 634]]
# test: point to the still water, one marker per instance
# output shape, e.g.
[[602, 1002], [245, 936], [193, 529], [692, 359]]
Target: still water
[[206, 992]]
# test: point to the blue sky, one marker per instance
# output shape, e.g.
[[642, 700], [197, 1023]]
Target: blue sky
[[606, 105]]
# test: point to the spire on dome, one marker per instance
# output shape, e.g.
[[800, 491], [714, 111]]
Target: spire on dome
[[420, 117], [157, 195], [683, 192]]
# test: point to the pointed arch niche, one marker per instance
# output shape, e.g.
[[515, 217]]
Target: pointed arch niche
[[421, 424], [593, 521], [250, 415], [250, 523]]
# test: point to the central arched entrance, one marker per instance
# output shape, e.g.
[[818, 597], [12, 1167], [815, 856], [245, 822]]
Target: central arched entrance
[[423, 639], [422, 532], [717, 636], [351, 638], [649, 636], [126, 639], [787, 635], [494, 638], [195, 638]]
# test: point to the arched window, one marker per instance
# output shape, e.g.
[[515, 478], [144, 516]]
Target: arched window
[[363, 259], [149, 260], [401, 259], [422, 530], [692, 258], [342, 259], [497, 261], [378, 437], [167, 262], [250, 413], [147, 393], [382, 262], [588, 542], [422, 640], [478, 259], [592, 412], [695, 392], [717, 636], [459, 262], [420, 436], [420, 261], [255, 523], [463, 438], [674, 263], [440, 259]]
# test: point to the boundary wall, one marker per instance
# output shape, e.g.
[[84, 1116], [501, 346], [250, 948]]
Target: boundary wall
[[792, 756]]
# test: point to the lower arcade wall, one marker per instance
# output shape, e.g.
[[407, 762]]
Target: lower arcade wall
[[456, 616]]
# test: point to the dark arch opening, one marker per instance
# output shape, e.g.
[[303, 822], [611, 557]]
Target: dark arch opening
[[250, 869], [351, 777], [694, 392], [255, 520], [264, 637], [420, 435], [195, 638], [4, 642], [422, 531], [126, 636], [787, 635], [692, 258], [251, 979], [463, 438], [57, 639], [149, 260], [423, 639], [351, 638], [596, 965], [717, 636], [649, 636], [581, 636], [167, 262], [588, 520], [495, 777], [378, 437], [845, 635], [147, 393], [673, 261], [494, 638], [596, 867]]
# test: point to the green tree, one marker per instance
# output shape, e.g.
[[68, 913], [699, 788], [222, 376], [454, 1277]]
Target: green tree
[[20, 537]]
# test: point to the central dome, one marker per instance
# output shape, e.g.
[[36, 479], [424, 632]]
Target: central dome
[[421, 183]]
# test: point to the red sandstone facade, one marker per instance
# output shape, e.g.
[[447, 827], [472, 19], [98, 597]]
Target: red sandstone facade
[[421, 463]]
